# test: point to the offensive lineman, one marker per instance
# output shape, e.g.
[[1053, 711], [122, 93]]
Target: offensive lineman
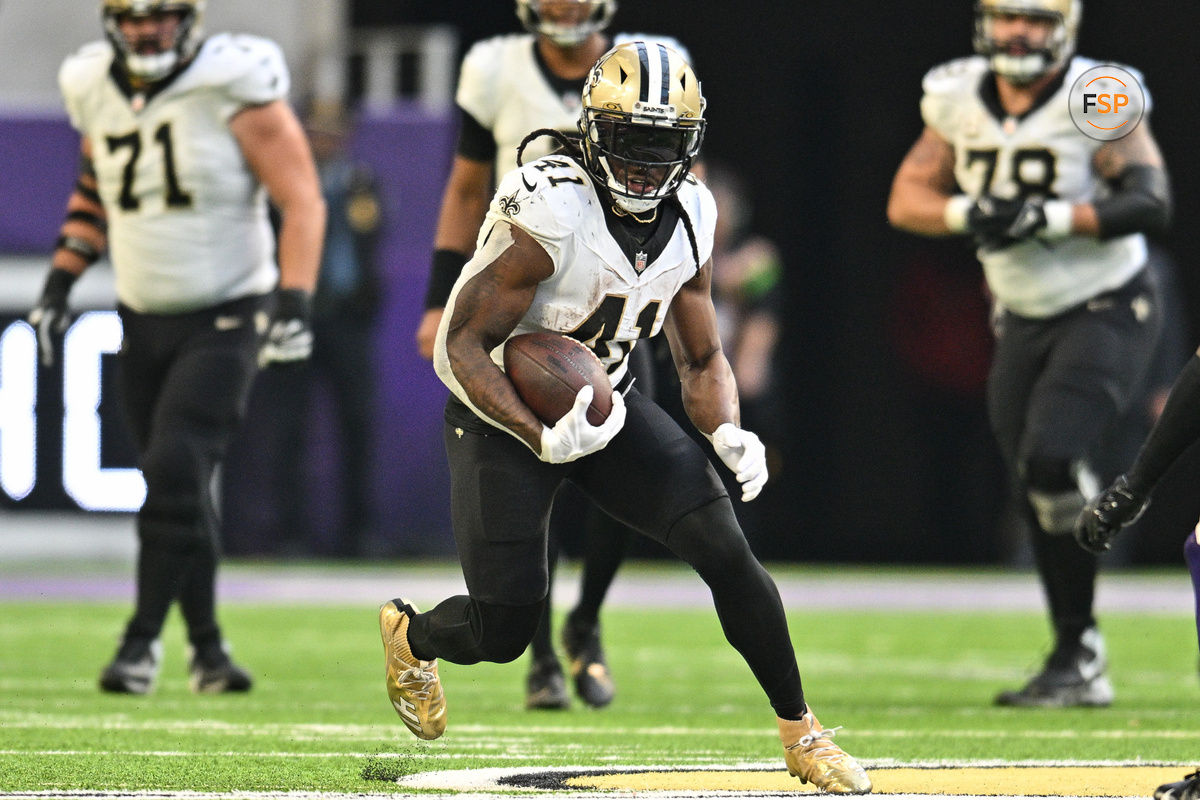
[[1058, 218], [609, 243], [510, 85], [180, 135]]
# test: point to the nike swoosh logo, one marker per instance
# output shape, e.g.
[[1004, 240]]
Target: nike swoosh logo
[[528, 186]]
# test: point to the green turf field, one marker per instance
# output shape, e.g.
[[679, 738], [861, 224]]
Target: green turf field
[[906, 686]]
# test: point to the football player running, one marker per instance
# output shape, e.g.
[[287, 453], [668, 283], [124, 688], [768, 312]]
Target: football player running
[[510, 85], [180, 135], [608, 242], [1058, 218]]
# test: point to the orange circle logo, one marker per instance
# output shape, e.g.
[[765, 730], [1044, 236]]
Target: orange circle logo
[[1107, 102]]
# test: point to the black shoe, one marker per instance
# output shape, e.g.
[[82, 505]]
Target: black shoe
[[134, 669], [1074, 675], [211, 671], [593, 683], [545, 688], [1186, 789]]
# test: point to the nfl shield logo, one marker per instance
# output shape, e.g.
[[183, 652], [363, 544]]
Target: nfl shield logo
[[639, 261]]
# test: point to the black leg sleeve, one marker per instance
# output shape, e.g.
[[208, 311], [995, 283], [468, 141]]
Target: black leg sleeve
[[466, 631], [746, 599], [1177, 429]]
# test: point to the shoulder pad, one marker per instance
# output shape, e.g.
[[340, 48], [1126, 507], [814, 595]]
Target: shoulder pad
[[959, 75], [546, 197], [251, 68], [697, 200], [80, 70], [948, 89], [482, 68], [1081, 64]]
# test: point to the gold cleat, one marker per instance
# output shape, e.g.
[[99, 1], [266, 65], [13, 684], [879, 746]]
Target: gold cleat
[[412, 685], [812, 757]]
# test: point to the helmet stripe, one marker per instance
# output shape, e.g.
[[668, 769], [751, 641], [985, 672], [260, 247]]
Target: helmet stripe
[[665, 62], [644, 78]]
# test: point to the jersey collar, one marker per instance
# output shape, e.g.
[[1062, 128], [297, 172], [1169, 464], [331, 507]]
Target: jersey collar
[[990, 95]]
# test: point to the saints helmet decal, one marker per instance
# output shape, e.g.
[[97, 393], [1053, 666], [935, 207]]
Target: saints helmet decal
[[1030, 62], [642, 123], [152, 66]]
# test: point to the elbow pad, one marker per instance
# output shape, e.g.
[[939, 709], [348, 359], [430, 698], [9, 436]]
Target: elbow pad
[[1141, 203]]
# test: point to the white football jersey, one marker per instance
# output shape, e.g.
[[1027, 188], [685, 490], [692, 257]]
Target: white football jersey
[[595, 293], [1042, 153], [503, 88], [187, 220]]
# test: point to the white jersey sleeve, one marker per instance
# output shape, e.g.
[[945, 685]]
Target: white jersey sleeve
[[479, 79]]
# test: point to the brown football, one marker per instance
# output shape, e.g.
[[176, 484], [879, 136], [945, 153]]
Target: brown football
[[549, 369]]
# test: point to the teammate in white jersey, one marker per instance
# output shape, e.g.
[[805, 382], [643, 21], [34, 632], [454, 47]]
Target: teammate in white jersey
[[609, 243], [182, 138], [1058, 217], [509, 86]]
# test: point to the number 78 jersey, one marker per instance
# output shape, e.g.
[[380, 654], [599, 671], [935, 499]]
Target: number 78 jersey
[[187, 219], [1042, 154], [599, 293]]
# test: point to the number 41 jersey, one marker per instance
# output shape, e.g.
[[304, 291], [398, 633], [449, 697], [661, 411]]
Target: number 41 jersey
[[1041, 153], [187, 220], [598, 293]]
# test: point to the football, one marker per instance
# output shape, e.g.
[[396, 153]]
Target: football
[[549, 369]]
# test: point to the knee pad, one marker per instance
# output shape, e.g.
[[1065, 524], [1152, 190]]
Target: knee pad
[[1057, 490]]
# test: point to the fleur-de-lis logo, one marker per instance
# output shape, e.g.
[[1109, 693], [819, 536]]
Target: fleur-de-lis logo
[[509, 205]]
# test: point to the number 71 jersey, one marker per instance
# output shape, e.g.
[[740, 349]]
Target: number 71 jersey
[[600, 293], [187, 219], [1042, 154]]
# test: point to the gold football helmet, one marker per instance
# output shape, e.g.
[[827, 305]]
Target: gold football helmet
[[152, 66], [1033, 62], [591, 15], [642, 123]]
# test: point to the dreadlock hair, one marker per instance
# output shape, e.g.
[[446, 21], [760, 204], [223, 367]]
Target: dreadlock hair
[[571, 147]]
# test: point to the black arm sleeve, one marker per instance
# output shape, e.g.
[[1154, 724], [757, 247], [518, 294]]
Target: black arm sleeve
[[1141, 203], [447, 264], [1176, 430], [475, 141]]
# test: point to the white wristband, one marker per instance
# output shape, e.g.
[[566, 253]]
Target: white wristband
[[1059, 216], [955, 215]]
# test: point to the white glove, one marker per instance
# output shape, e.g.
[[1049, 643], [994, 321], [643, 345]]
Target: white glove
[[743, 453], [573, 436]]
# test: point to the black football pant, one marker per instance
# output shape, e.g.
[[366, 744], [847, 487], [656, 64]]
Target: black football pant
[[605, 540], [184, 381], [652, 477], [1058, 388]]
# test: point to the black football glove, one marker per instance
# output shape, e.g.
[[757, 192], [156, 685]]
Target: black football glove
[[1030, 220], [1103, 518], [50, 317], [289, 336], [997, 223]]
